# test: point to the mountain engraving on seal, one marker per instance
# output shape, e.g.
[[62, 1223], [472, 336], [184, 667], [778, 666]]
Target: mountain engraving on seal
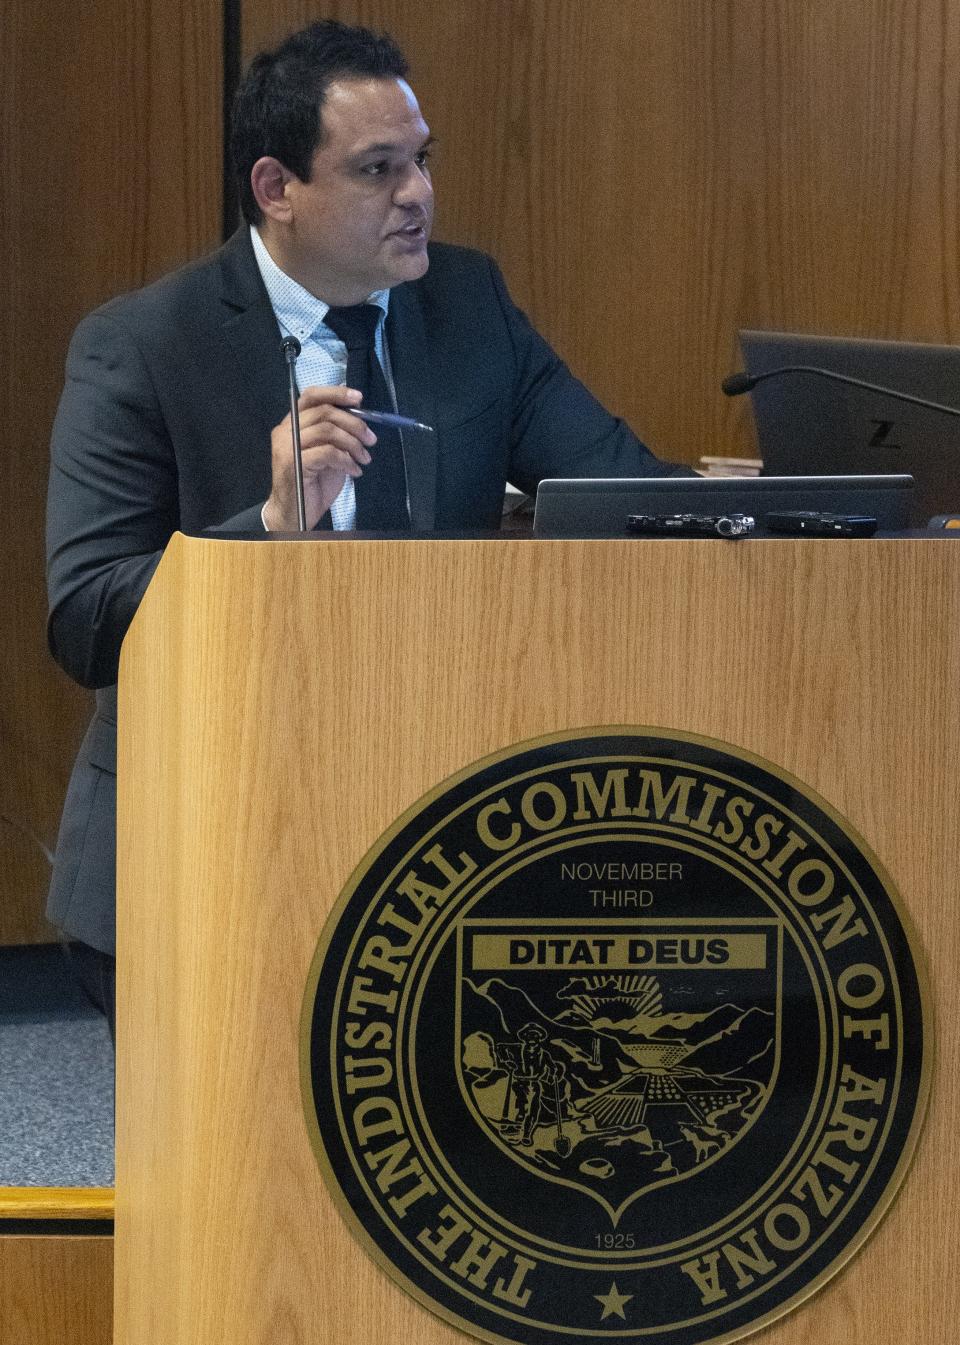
[[618, 1081]]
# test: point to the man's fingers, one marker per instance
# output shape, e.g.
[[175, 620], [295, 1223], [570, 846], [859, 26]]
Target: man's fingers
[[337, 437], [334, 444], [325, 417], [338, 396], [330, 459]]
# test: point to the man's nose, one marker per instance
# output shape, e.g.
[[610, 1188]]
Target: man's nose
[[414, 187]]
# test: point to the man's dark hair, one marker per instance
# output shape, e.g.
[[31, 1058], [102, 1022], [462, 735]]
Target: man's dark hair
[[279, 104]]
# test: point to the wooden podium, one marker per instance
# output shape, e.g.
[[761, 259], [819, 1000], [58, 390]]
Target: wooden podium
[[283, 702]]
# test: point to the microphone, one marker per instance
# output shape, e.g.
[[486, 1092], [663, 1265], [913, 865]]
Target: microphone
[[735, 384], [290, 350]]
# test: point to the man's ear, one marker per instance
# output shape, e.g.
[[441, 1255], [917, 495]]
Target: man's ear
[[268, 180]]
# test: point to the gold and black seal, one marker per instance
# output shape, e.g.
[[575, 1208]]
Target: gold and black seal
[[615, 1035]]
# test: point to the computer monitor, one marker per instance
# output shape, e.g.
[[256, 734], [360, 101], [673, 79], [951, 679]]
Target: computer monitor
[[573, 507], [809, 425]]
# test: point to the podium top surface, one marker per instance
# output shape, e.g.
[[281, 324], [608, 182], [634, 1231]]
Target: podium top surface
[[761, 534]]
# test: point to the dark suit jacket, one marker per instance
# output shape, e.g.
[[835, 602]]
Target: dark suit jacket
[[165, 422]]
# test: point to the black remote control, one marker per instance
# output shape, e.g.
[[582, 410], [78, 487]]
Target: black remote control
[[809, 523]]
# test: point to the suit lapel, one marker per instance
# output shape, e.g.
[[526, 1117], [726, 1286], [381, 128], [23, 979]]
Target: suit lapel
[[250, 328], [412, 378]]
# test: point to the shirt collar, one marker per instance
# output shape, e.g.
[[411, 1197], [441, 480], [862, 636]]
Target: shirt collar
[[298, 312]]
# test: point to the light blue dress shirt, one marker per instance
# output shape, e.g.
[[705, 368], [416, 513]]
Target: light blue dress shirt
[[323, 356]]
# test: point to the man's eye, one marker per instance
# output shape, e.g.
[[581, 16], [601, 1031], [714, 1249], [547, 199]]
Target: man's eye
[[375, 169], [423, 158]]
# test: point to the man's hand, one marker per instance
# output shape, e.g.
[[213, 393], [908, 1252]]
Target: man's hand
[[333, 446]]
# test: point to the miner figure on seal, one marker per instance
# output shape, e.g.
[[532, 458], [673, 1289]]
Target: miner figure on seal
[[532, 1071]]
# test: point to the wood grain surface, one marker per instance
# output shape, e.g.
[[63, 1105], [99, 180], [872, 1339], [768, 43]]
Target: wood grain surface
[[56, 1290], [110, 156], [653, 176], [263, 751]]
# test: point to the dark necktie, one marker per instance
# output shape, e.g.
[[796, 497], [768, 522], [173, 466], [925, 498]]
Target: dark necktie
[[382, 490]]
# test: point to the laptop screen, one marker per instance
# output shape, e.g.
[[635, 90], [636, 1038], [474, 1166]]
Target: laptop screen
[[808, 425], [599, 508]]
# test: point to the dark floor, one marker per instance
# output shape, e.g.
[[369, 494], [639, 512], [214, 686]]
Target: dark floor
[[56, 1075]]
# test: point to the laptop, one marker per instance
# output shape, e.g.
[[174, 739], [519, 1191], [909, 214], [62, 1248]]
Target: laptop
[[599, 508], [809, 425]]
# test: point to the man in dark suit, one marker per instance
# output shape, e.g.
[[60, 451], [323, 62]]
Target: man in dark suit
[[174, 410]]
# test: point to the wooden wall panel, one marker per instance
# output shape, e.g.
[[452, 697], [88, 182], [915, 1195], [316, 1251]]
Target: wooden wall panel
[[56, 1290], [654, 175], [111, 162]]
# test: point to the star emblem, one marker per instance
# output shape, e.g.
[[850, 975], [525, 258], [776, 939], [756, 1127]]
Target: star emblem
[[613, 1302]]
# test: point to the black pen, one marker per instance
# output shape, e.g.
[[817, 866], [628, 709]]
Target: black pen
[[388, 418]]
